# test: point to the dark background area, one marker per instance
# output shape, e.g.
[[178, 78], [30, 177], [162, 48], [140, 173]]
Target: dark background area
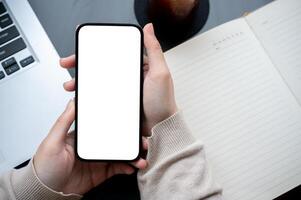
[[60, 18]]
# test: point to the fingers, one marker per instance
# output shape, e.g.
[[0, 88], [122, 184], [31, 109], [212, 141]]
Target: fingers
[[145, 60], [140, 164], [145, 65], [70, 139], [59, 131], [121, 168], [68, 62], [69, 85], [154, 52], [144, 143]]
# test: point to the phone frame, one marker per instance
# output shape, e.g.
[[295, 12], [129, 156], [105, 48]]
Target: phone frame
[[76, 89]]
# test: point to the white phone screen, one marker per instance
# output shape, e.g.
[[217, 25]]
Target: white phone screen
[[108, 92]]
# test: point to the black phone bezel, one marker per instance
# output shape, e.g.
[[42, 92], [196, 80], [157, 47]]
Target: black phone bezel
[[76, 90]]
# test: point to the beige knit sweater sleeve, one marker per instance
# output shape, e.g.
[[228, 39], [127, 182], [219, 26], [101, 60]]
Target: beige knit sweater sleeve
[[177, 165], [177, 170], [23, 184]]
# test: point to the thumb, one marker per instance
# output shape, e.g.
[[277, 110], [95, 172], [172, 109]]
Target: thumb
[[153, 48], [121, 168], [58, 133]]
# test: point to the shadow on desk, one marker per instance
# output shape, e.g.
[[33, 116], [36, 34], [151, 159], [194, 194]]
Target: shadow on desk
[[293, 194], [124, 187], [121, 187]]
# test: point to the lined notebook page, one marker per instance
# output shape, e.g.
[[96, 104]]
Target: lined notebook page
[[236, 102], [278, 27]]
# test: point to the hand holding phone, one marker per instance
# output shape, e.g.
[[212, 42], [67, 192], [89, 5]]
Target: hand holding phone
[[56, 152]]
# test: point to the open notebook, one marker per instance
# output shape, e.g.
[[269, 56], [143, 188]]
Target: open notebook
[[240, 88]]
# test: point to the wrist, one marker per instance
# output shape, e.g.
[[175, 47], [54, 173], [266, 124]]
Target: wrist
[[46, 174], [43, 175], [150, 123], [168, 138]]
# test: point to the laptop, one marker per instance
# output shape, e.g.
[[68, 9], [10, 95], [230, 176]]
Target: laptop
[[31, 92]]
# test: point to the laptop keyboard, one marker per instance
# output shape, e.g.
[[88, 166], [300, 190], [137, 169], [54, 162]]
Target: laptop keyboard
[[11, 44]]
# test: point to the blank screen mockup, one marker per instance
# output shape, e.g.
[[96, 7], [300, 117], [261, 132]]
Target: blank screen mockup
[[108, 92]]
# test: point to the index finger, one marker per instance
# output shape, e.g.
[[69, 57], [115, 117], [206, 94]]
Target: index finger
[[63, 124], [68, 62]]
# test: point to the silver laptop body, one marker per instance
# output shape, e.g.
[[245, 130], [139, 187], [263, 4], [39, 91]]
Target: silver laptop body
[[31, 92]]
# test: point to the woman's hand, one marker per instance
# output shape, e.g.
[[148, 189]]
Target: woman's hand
[[58, 168], [158, 100]]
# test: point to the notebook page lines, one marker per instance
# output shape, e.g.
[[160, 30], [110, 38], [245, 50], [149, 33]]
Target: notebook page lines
[[278, 28], [236, 102], [213, 64], [265, 155]]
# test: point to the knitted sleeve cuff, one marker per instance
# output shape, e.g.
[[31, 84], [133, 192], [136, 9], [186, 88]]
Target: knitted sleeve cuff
[[168, 137], [27, 186]]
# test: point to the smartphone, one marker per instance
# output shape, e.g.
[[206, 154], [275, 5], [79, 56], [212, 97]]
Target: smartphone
[[108, 94]]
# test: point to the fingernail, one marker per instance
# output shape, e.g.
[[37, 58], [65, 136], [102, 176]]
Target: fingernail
[[61, 59], [146, 165], [130, 171], [69, 105], [64, 84], [151, 29]]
